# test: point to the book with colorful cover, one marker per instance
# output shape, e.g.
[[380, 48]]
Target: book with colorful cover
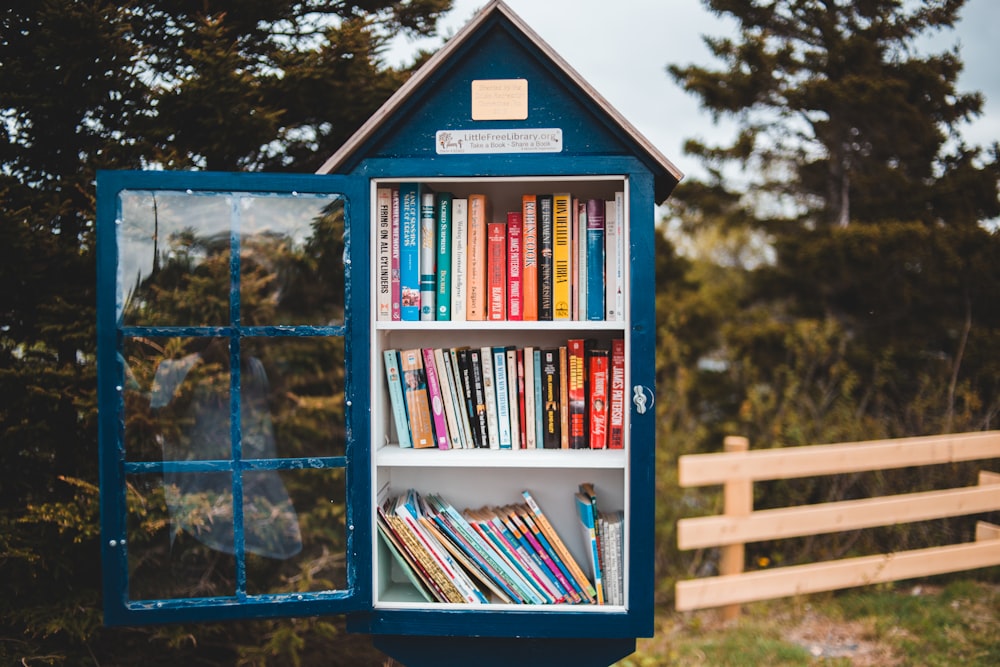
[[519, 517], [407, 564], [577, 398], [479, 394], [515, 261], [394, 379], [501, 383], [585, 511], [529, 250], [563, 397], [541, 569], [459, 256], [616, 396], [560, 547], [442, 283], [534, 528], [574, 252], [581, 272], [610, 259], [383, 254], [561, 253], [540, 416], [590, 491], [513, 397], [418, 562], [534, 568], [490, 393], [597, 382], [410, 195], [394, 250], [463, 399], [476, 304], [428, 255], [621, 257], [545, 248], [476, 427], [496, 271], [436, 400], [550, 387], [418, 410], [528, 396], [451, 406], [595, 259], [508, 556], [406, 532]]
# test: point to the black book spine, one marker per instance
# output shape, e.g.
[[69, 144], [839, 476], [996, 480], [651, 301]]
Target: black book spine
[[552, 431]]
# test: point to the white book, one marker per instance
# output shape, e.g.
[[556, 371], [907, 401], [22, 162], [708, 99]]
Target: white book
[[447, 384], [581, 262], [383, 257], [502, 384], [459, 257], [610, 260], [621, 257], [428, 256], [529, 398], [490, 391], [513, 398]]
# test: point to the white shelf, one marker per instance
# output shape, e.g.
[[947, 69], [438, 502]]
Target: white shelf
[[393, 456], [505, 325]]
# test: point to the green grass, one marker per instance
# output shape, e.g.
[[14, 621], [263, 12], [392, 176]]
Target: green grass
[[956, 623]]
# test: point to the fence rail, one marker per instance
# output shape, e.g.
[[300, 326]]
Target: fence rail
[[737, 468]]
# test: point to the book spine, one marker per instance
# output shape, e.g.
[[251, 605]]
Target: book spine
[[396, 400], [529, 398], [428, 255], [472, 405], [563, 397], [595, 259], [582, 271], [432, 576], [545, 257], [443, 265], [540, 416], [394, 249], [531, 554], [522, 408], [459, 256], [502, 385], [598, 384], [507, 556], [462, 400], [513, 392], [479, 392], [383, 262], [415, 392], [496, 271], [515, 286], [577, 399], [529, 251], [409, 250], [475, 304], [550, 385], [557, 543], [546, 547], [447, 379], [533, 568], [620, 256], [585, 510], [616, 398], [561, 263], [490, 397], [435, 399], [610, 259]]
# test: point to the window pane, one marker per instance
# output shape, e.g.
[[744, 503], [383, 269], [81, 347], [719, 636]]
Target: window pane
[[316, 513], [293, 397], [174, 264], [291, 260]]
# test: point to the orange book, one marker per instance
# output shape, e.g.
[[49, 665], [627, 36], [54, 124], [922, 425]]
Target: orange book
[[476, 298], [496, 271], [411, 367], [529, 254]]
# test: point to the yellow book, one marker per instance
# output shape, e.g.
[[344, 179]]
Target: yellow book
[[562, 263]]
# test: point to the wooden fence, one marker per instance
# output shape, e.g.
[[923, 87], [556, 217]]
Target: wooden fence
[[736, 469]]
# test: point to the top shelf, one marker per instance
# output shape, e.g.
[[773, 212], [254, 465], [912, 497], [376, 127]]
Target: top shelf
[[502, 325]]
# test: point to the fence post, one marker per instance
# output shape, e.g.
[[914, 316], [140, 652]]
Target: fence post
[[737, 498]]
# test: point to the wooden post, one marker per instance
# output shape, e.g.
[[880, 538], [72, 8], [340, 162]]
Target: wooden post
[[737, 496]]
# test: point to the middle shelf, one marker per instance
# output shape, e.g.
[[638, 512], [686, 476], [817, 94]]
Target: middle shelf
[[592, 459]]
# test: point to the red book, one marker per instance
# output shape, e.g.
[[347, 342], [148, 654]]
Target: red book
[[577, 399], [598, 381], [515, 295], [496, 271], [616, 402], [529, 250]]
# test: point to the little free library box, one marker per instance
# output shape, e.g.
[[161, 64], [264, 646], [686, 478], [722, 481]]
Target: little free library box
[[415, 388]]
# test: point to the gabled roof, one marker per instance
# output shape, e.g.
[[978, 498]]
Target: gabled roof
[[665, 181]]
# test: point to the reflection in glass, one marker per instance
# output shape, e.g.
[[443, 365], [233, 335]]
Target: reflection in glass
[[174, 259], [291, 260]]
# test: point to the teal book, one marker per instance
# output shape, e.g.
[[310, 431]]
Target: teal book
[[409, 250], [595, 259], [428, 255], [395, 382], [444, 233], [586, 512], [539, 400]]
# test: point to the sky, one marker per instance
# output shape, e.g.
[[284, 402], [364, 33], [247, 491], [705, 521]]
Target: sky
[[624, 53]]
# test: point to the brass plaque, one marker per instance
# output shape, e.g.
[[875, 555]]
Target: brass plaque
[[500, 99]]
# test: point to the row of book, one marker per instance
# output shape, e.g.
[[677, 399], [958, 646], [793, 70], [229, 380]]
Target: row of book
[[441, 257], [509, 554], [504, 397]]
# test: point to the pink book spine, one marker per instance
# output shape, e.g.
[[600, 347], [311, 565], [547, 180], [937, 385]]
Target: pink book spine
[[435, 399], [394, 256]]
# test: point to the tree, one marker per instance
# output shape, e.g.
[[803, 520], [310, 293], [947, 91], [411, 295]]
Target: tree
[[94, 84]]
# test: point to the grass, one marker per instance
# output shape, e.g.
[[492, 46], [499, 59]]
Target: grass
[[957, 623]]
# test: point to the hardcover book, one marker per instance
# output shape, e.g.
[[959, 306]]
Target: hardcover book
[[459, 256], [442, 285], [610, 259], [409, 250], [418, 409], [529, 248], [561, 262], [545, 257], [597, 369], [428, 255], [496, 271], [435, 400], [616, 396], [394, 249], [476, 298], [595, 259], [582, 271], [515, 294], [394, 380], [383, 262]]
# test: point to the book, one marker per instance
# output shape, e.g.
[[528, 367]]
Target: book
[[396, 400], [545, 257], [479, 398], [616, 396], [521, 517], [540, 416], [451, 407], [515, 295], [409, 250], [442, 283], [418, 409], [560, 547], [563, 397], [407, 564], [552, 437], [459, 256], [597, 381], [475, 284], [418, 562], [443, 586], [544, 570], [577, 399], [428, 255], [383, 254], [476, 428], [529, 250], [435, 400], [595, 259], [394, 250], [574, 250], [508, 555], [590, 491], [528, 394], [496, 271], [581, 272], [621, 257], [488, 376], [501, 381], [463, 399], [561, 256], [532, 566], [513, 397], [610, 259], [585, 512]]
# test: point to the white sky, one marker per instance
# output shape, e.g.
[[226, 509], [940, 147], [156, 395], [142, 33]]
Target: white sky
[[622, 49]]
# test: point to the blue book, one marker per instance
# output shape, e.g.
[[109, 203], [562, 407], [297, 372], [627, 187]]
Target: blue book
[[539, 401], [595, 259], [585, 510], [428, 255], [409, 250], [500, 384], [396, 401], [443, 282]]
